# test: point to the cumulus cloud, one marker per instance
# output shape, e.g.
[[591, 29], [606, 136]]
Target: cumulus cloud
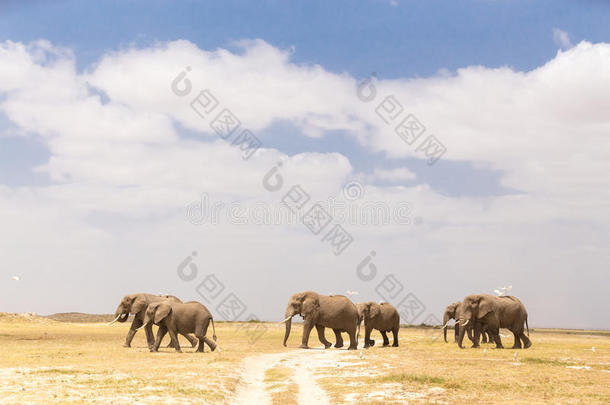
[[122, 171]]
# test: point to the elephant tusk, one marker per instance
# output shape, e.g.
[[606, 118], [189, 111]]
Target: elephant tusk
[[115, 319], [141, 327], [287, 319], [466, 323], [445, 325]]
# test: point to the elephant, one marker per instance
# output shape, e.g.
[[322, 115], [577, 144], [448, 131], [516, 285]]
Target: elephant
[[451, 312], [493, 312], [137, 305], [323, 311], [183, 318], [383, 317]]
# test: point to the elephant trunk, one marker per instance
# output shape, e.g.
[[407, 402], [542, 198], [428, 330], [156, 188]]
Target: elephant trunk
[[120, 315], [289, 314], [445, 322]]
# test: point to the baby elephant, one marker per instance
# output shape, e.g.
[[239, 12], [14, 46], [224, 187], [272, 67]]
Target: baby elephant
[[382, 317], [183, 318]]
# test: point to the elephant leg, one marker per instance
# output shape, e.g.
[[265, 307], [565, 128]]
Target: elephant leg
[[174, 336], [395, 334], [367, 337], [484, 337], [150, 338], [456, 332], [476, 336], [497, 340], [322, 338], [526, 341], [353, 342], [193, 341], [517, 344], [210, 343], [160, 335], [339, 338], [386, 341], [307, 327], [200, 341], [135, 324], [470, 335]]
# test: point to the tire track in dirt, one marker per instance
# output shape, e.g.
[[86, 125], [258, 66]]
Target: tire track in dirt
[[304, 363]]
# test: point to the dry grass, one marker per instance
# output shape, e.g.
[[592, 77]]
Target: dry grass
[[281, 386], [425, 369], [44, 361]]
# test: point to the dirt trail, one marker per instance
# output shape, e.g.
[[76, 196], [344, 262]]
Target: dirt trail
[[304, 363]]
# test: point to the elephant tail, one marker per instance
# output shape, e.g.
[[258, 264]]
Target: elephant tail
[[528, 327], [213, 330]]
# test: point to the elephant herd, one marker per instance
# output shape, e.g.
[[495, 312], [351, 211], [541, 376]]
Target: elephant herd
[[485, 314], [477, 314], [340, 314], [171, 315]]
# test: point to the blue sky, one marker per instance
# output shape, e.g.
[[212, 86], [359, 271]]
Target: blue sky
[[413, 38], [409, 39], [105, 155]]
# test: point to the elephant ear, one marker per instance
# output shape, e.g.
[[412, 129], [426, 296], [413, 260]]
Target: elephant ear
[[485, 307], [310, 306], [375, 309], [162, 311], [138, 305]]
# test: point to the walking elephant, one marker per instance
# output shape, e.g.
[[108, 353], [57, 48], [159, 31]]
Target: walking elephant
[[383, 317], [183, 318], [322, 311], [137, 304], [490, 312], [451, 312]]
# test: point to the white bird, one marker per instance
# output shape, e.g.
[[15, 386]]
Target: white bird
[[16, 278], [593, 349], [515, 356], [350, 293], [503, 291], [361, 354]]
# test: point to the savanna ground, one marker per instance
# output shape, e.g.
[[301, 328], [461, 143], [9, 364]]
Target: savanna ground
[[50, 362]]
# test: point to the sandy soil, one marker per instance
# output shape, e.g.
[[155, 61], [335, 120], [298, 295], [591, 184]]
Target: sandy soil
[[306, 365]]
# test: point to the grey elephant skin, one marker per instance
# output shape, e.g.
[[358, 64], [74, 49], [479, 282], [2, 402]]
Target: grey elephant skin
[[323, 311], [452, 312], [383, 317], [137, 304], [492, 312], [183, 318]]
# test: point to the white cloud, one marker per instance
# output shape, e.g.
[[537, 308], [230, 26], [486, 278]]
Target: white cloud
[[561, 38], [122, 175]]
